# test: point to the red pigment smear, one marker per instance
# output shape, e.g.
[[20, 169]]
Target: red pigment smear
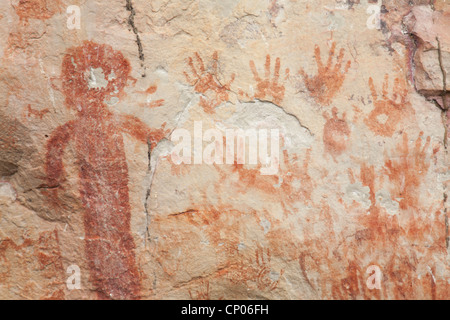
[[44, 256]]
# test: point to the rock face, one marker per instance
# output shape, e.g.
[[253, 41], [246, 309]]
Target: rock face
[[239, 149]]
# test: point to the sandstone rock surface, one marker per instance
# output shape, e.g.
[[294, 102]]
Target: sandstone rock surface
[[95, 95]]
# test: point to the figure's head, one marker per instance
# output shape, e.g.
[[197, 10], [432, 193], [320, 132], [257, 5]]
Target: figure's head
[[93, 73]]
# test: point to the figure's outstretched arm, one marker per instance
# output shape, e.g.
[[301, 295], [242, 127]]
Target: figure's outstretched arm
[[140, 131], [54, 168]]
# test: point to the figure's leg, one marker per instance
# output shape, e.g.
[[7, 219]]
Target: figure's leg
[[109, 244]]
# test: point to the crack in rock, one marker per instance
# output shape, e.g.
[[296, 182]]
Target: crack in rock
[[130, 8]]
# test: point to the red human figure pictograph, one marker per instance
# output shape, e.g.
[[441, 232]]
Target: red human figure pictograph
[[91, 74]]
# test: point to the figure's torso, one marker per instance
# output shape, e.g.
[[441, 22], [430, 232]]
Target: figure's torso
[[100, 148]]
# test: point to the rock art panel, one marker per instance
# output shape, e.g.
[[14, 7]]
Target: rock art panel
[[166, 150]]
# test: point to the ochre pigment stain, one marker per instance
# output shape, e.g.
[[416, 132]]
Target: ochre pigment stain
[[329, 79], [223, 227], [45, 255], [103, 172], [378, 238], [151, 104], [256, 270], [292, 169], [203, 293]]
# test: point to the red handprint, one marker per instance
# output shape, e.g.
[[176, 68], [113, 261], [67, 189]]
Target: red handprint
[[207, 83], [324, 86], [336, 134], [393, 109], [268, 89], [407, 171]]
